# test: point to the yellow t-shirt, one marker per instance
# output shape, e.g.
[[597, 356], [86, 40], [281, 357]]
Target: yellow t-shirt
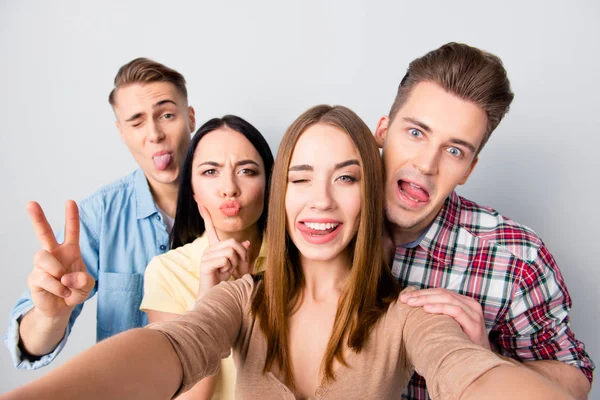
[[171, 283]]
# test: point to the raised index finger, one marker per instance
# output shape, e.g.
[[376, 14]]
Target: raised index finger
[[42, 228], [208, 225], [71, 223]]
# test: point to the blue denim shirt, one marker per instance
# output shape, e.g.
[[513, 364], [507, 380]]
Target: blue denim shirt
[[121, 230]]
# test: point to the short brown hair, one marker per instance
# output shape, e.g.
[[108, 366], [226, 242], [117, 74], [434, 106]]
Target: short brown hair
[[464, 71], [370, 288], [144, 70]]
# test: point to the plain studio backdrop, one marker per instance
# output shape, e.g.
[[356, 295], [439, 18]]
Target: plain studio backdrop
[[268, 61]]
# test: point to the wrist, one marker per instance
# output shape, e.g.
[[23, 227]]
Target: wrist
[[50, 323]]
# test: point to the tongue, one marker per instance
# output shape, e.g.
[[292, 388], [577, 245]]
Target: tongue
[[317, 232], [414, 192], [162, 162]]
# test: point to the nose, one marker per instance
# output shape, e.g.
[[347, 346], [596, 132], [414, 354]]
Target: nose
[[229, 186], [322, 196], [427, 161], [155, 133]]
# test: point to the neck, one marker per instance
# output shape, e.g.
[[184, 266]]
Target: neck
[[401, 235], [324, 279], [165, 196]]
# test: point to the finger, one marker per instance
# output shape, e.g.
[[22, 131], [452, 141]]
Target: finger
[[442, 298], [467, 324], [48, 283], [78, 280], [228, 252], [240, 248], [213, 238], [71, 223], [430, 292], [42, 228], [46, 262]]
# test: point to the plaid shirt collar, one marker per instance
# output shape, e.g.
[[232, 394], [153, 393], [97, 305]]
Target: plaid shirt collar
[[443, 231]]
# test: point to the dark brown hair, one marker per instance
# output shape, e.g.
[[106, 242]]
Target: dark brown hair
[[370, 288], [144, 70], [464, 71]]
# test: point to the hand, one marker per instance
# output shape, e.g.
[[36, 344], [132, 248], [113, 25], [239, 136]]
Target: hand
[[222, 258], [465, 310], [59, 279]]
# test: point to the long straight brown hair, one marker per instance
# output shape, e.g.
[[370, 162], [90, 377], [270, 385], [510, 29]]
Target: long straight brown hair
[[370, 287]]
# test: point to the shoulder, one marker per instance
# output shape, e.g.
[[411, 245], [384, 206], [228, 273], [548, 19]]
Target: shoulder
[[120, 189], [492, 229]]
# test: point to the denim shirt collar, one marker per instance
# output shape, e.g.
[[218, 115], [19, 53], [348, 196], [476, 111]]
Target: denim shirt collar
[[144, 201]]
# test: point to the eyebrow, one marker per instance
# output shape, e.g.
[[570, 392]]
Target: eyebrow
[[158, 104], [306, 167], [427, 129], [239, 163]]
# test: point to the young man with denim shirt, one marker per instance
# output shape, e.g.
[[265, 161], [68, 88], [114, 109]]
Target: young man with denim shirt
[[495, 277], [114, 233]]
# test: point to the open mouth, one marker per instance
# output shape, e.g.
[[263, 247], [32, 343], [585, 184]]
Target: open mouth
[[162, 160], [319, 228], [413, 192], [319, 232]]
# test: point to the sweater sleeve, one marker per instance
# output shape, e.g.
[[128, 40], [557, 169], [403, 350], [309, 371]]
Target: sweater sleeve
[[205, 335], [439, 350]]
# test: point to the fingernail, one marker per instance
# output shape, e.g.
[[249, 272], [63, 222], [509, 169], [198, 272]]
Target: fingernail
[[69, 281], [66, 293], [411, 300]]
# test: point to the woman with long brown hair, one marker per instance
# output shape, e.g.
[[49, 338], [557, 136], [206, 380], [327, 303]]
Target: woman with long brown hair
[[323, 321]]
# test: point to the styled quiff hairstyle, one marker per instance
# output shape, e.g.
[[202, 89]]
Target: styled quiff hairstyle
[[370, 288], [466, 72], [144, 70]]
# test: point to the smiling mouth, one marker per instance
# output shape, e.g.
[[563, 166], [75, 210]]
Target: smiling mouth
[[318, 228], [413, 191]]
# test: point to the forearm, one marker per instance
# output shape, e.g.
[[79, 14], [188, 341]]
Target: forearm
[[513, 382], [39, 335], [568, 377], [137, 364]]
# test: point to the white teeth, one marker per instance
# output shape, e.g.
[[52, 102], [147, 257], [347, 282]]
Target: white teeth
[[415, 186], [321, 226]]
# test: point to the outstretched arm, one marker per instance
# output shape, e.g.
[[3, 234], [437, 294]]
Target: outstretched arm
[[138, 364]]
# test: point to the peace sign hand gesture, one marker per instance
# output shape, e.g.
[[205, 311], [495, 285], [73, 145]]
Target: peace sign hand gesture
[[59, 279], [222, 258]]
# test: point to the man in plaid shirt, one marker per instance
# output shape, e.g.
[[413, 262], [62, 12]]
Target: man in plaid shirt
[[495, 277]]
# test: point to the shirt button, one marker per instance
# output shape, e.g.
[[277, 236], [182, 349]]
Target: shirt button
[[163, 247], [158, 217]]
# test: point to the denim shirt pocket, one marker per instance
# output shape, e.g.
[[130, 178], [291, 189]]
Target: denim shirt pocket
[[119, 299]]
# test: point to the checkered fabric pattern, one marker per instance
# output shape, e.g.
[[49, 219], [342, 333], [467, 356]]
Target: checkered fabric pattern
[[475, 251]]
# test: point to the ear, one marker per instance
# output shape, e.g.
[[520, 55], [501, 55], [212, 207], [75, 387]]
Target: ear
[[381, 131], [468, 173], [119, 129], [192, 119]]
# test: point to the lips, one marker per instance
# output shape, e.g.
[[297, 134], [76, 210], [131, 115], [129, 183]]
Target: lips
[[319, 231], [412, 194], [162, 159], [230, 208]]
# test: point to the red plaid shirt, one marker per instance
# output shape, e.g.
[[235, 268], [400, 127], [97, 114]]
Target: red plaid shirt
[[505, 266]]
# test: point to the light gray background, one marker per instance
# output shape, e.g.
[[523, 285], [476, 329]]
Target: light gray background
[[268, 62]]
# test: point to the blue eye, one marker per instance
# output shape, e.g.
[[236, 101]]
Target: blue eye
[[455, 151], [415, 133], [347, 178]]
